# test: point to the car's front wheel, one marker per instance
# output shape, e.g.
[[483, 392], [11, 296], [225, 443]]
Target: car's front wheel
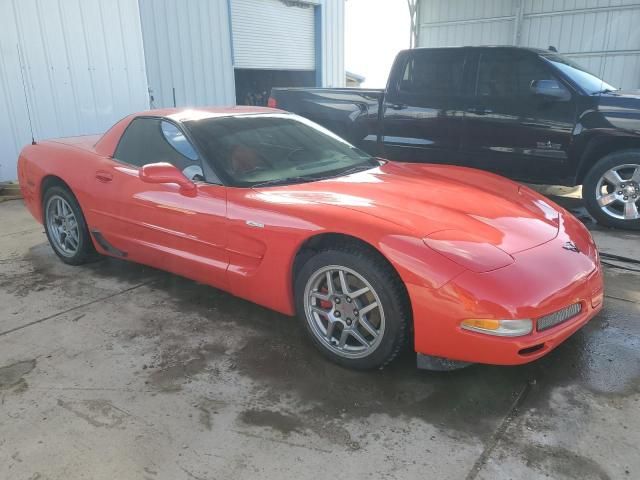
[[611, 190], [354, 307]]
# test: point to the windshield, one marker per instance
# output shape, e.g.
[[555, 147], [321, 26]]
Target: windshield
[[581, 77], [269, 149]]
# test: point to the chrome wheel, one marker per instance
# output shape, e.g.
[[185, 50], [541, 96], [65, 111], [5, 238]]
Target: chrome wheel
[[62, 226], [344, 311], [618, 192]]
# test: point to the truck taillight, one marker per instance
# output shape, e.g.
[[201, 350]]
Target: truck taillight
[[271, 103]]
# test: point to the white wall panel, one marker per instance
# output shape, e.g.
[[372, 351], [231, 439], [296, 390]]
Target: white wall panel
[[602, 35], [187, 46], [332, 43], [269, 34], [83, 68]]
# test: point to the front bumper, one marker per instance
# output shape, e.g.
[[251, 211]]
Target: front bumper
[[541, 281]]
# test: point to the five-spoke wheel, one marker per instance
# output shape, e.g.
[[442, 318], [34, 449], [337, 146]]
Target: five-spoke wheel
[[66, 227], [62, 226], [344, 311], [354, 306]]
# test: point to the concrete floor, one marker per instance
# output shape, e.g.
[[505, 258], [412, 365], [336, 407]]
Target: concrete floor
[[117, 371]]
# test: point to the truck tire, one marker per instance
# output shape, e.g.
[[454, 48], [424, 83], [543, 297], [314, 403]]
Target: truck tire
[[611, 190]]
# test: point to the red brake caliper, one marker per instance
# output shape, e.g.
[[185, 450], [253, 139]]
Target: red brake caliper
[[326, 304]]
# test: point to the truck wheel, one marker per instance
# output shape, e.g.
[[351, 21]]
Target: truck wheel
[[611, 190], [66, 228], [354, 307]]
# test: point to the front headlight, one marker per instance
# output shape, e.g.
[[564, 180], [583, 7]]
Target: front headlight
[[468, 250], [500, 328]]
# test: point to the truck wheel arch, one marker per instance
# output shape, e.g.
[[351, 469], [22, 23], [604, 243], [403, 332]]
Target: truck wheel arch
[[601, 146]]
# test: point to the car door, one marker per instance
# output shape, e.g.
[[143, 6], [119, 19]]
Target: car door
[[161, 224], [423, 108], [508, 128]]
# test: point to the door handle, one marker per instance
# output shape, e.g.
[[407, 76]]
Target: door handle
[[104, 177], [479, 110]]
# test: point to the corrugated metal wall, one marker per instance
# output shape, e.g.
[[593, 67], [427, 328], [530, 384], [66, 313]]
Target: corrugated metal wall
[[188, 48], [268, 34], [332, 41], [85, 64], [83, 67], [602, 35]]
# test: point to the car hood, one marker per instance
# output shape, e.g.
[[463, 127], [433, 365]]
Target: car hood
[[447, 202]]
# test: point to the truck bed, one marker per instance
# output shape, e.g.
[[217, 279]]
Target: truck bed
[[352, 113]]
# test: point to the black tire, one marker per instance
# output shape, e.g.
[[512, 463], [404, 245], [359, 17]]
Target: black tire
[[385, 283], [85, 251], [590, 189]]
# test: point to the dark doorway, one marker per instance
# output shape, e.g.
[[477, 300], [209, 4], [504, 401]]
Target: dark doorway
[[254, 86]]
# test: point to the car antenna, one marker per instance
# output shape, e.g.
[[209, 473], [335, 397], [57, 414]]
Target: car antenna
[[26, 98], [553, 49]]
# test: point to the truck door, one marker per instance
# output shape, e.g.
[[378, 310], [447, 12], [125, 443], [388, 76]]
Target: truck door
[[509, 126], [423, 107]]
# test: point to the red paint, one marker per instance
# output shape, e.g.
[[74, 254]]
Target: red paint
[[466, 243]]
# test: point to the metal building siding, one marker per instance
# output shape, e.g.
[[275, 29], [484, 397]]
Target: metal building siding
[[465, 22], [187, 47], [601, 35], [268, 34], [83, 68], [332, 43]]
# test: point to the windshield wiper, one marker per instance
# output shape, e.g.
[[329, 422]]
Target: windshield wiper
[[355, 169], [312, 178], [286, 181]]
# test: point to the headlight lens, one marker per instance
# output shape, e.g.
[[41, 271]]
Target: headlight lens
[[469, 251], [500, 328]]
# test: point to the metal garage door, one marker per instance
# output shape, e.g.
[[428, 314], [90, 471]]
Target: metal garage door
[[273, 34]]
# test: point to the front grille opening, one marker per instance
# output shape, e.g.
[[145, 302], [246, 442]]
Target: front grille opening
[[530, 350], [561, 316]]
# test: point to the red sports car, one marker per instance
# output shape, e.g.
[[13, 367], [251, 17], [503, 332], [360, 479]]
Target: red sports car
[[469, 266]]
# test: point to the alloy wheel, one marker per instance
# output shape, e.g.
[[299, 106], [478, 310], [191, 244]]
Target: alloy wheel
[[344, 311], [618, 192], [62, 226]]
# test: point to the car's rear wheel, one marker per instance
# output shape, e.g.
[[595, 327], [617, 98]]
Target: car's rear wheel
[[354, 307], [66, 227], [611, 190]]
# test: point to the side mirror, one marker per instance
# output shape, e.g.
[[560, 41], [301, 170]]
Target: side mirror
[[165, 173], [550, 89]]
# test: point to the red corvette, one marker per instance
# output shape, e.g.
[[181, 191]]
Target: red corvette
[[368, 253]]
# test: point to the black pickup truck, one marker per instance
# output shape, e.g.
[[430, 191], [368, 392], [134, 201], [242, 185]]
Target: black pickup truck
[[528, 114]]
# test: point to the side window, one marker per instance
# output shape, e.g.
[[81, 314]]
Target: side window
[[177, 140], [152, 140], [508, 75], [437, 73]]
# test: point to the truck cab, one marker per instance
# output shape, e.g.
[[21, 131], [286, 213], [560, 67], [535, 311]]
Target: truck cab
[[528, 114]]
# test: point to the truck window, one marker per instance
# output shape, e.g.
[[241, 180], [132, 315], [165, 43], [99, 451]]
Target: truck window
[[509, 75], [437, 73]]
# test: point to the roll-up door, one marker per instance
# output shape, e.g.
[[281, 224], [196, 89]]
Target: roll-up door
[[273, 34]]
